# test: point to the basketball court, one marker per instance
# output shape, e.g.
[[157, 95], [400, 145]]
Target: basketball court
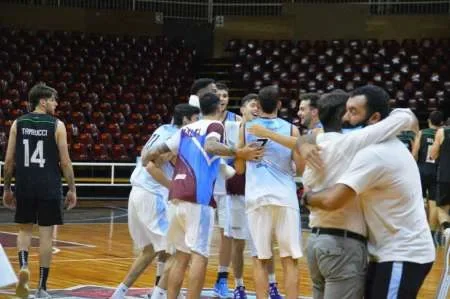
[[93, 251]]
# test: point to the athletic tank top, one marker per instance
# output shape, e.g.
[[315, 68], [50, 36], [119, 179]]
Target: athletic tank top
[[37, 155], [426, 164], [140, 176], [407, 138], [443, 174], [271, 180]]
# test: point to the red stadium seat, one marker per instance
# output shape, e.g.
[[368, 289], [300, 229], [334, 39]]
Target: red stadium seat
[[79, 152], [119, 154], [100, 153]]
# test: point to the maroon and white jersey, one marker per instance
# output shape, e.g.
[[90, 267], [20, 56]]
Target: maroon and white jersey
[[195, 170]]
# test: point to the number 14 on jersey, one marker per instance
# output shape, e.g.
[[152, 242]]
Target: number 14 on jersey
[[38, 154]]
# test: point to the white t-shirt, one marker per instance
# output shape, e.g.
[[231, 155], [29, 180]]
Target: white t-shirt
[[338, 150], [230, 139], [386, 178]]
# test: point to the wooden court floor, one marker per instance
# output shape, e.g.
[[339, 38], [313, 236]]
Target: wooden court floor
[[101, 253]]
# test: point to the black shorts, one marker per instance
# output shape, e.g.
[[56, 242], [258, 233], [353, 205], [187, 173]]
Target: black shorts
[[39, 207], [442, 194], [400, 280], [428, 185]]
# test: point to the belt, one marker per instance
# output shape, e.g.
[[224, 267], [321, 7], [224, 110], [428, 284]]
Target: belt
[[339, 232]]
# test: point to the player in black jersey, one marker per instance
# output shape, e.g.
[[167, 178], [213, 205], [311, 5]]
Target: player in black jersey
[[440, 151], [407, 137], [38, 151], [428, 167]]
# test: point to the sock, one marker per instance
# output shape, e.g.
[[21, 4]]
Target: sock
[[159, 271], [223, 269], [222, 275], [239, 282], [272, 278], [43, 275], [23, 259], [120, 291], [158, 293], [446, 225]]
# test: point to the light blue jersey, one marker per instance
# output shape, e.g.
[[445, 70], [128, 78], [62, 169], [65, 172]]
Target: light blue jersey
[[271, 180], [140, 177]]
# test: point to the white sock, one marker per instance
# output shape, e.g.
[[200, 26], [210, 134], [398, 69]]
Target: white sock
[[158, 293], [120, 292], [160, 268], [272, 278], [223, 269], [239, 282]]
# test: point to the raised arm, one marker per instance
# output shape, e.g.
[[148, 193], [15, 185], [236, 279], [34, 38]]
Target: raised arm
[[298, 159], [66, 165], [398, 120], [8, 197], [239, 164], [214, 146], [260, 131]]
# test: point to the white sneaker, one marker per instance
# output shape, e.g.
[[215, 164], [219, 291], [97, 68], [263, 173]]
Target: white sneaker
[[157, 293], [40, 293]]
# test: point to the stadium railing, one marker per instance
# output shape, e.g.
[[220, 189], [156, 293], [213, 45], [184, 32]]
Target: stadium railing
[[208, 10], [101, 181]]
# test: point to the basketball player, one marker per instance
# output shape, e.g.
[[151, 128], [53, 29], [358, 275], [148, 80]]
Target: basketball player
[[387, 182], [428, 167], [38, 149], [199, 88], [237, 226], [308, 113], [440, 151], [229, 120], [198, 147], [271, 196], [337, 253], [407, 138], [147, 207]]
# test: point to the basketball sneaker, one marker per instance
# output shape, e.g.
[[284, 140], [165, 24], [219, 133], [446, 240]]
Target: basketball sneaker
[[22, 289], [221, 288], [239, 293], [273, 291], [40, 293]]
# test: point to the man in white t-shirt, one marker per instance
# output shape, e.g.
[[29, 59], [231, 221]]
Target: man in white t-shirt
[[386, 180], [337, 251]]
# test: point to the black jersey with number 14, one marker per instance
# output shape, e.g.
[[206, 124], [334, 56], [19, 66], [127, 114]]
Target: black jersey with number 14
[[37, 156]]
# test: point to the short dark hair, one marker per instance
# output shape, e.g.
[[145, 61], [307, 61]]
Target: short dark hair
[[40, 91], [268, 98], [332, 108], [436, 118], [248, 98], [312, 97], [199, 84], [377, 99], [209, 103], [183, 110], [222, 86]]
